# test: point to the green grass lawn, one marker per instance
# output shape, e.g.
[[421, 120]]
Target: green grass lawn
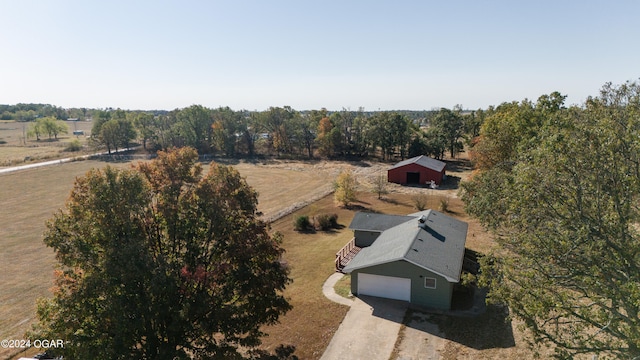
[[343, 287]]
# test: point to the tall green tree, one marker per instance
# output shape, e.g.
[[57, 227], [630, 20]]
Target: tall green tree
[[194, 126], [144, 123], [162, 262], [250, 127], [278, 122], [117, 133], [507, 129], [99, 118], [47, 125], [449, 125], [36, 130], [307, 134], [391, 132], [226, 128], [566, 217]]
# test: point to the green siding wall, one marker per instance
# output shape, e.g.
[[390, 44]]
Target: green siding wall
[[439, 298], [365, 238]]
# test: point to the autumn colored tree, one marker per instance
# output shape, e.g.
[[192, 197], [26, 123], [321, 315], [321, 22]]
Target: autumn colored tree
[[162, 262], [325, 140], [345, 188]]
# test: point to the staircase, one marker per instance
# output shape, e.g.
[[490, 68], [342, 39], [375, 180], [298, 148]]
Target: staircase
[[345, 254], [470, 262]]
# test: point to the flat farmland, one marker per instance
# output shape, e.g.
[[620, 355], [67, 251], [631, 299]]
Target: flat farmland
[[28, 198], [15, 149]]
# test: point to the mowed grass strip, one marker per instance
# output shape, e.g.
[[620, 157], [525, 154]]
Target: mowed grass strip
[[29, 198]]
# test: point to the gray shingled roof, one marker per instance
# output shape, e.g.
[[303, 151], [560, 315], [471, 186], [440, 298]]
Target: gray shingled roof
[[437, 247], [376, 222], [422, 160]]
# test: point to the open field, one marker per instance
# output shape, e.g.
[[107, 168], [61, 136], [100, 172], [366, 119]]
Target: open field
[[30, 197], [14, 148]]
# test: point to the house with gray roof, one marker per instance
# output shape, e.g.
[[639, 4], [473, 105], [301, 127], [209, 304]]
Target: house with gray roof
[[416, 258]]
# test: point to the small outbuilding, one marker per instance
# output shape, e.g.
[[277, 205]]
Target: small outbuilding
[[417, 170], [417, 258]]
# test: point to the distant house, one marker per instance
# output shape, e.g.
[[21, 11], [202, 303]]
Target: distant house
[[417, 170], [416, 258]]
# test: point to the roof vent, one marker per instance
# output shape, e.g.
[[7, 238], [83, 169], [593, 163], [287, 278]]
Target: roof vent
[[422, 219]]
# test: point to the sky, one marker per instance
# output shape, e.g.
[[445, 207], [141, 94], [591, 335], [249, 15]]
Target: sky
[[380, 55]]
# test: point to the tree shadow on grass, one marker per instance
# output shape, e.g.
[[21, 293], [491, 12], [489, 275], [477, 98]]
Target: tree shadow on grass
[[489, 330], [359, 207], [459, 165], [333, 230], [452, 182]]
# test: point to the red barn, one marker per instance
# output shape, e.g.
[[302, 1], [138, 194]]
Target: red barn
[[418, 170]]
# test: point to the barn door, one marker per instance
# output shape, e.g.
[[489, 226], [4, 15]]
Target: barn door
[[413, 178]]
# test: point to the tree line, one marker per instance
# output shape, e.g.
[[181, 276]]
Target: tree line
[[278, 131], [285, 132]]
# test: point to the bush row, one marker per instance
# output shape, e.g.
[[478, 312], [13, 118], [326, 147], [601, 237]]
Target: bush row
[[320, 222]]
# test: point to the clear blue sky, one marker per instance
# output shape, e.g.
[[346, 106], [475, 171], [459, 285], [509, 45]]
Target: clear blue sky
[[312, 54]]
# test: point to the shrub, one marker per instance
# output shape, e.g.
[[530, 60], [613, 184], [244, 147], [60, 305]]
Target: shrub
[[322, 222], [444, 205], [325, 221], [301, 223], [74, 145], [420, 201], [333, 219]]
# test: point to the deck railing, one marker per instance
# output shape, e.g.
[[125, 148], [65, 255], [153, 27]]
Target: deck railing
[[346, 253]]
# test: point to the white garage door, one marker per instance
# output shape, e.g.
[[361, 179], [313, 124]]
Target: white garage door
[[384, 286]]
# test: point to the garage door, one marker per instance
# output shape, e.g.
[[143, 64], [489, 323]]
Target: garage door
[[384, 286]]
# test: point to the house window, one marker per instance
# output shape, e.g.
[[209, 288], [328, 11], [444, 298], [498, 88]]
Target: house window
[[430, 283]]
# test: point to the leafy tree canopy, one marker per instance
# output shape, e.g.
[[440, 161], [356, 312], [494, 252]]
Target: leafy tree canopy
[[162, 262], [566, 214]]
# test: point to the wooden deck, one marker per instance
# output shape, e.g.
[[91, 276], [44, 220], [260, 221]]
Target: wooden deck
[[470, 262], [348, 252]]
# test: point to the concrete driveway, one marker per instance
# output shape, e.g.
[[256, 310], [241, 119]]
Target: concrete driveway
[[368, 331]]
